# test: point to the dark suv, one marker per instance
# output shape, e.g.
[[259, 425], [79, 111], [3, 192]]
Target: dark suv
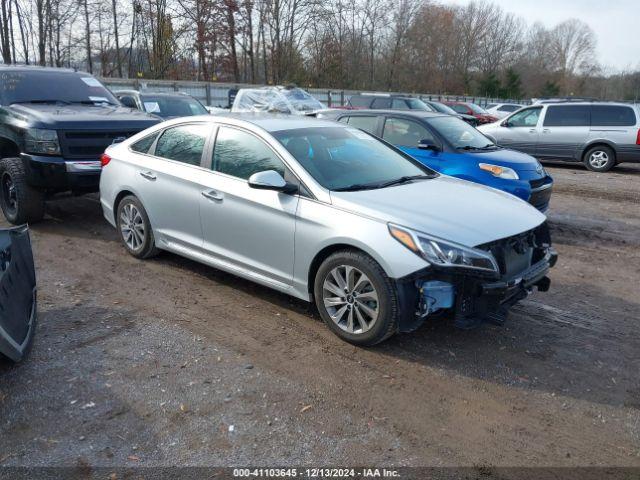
[[54, 126]]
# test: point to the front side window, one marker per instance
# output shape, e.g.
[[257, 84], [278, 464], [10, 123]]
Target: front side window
[[459, 133], [399, 104], [525, 118], [612, 116], [508, 108], [381, 103], [368, 124], [568, 116], [169, 106], [184, 143], [241, 154], [339, 157], [143, 145], [460, 108], [477, 109], [405, 133]]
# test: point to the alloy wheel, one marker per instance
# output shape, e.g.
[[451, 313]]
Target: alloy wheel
[[132, 227], [350, 299], [9, 194], [598, 159]]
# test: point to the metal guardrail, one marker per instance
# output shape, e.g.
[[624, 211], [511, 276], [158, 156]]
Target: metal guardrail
[[217, 94]]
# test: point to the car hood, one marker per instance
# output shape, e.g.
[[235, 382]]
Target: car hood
[[508, 158], [60, 117], [446, 207]]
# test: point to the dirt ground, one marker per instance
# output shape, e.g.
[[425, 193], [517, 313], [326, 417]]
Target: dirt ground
[[168, 362]]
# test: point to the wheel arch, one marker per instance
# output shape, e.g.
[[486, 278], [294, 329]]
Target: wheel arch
[[598, 143], [122, 194], [8, 148]]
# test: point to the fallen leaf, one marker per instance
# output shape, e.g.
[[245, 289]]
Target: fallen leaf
[[134, 458], [305, 408]]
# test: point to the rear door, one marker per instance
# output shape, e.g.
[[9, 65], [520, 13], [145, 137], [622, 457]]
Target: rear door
[[520, 131], [17, 292], [168, 183], [565, 129], [616, 124]]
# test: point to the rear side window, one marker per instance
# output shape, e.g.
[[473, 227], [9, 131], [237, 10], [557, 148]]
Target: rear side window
[[184, 143], [568, 116], [359, 101], [399, 104], [612, 116], [381, 103], [459, 108], [509, 108], [241, 154], [367, 124], [143, 145]]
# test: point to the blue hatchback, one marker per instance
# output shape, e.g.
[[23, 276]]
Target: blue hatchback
[[453, 147]]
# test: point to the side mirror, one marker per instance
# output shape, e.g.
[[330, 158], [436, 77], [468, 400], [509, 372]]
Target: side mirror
[[505, 124], [271, 180], [128, 102], [428, 144]]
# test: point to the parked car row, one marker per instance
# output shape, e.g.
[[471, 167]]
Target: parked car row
[[358, 211]]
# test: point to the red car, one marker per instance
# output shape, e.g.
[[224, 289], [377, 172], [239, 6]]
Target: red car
[[468, 108]]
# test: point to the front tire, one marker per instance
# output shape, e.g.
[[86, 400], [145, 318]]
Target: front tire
[[135, 229], [356, 298], [20, 202], [600, 159]]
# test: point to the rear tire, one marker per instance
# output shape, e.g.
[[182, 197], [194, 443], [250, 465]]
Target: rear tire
[[356, 298], [20, 202], [600, 158], [135, 229]]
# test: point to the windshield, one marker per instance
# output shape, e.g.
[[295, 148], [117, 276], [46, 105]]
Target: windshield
[[50, 87], [342, 157], [442, 108], [477, 109], [417, 104], [172, 106], [460, 134]]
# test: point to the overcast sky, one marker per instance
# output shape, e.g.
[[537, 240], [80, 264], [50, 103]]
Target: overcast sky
[[615, 22]]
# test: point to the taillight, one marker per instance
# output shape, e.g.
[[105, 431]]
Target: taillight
[[638, 138], [104, 160]]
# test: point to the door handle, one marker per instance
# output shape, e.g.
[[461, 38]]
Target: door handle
[[148, 175], [545, 130], [532, 130], [213, 195]]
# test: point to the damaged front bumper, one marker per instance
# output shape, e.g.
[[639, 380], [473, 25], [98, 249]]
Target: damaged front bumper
[[471, 298]]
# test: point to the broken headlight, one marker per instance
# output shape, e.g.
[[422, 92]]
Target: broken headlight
[[442, 252]]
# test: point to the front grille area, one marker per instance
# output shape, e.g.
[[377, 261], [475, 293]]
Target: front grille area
[[88, 144], [537, 183], [517, 253]]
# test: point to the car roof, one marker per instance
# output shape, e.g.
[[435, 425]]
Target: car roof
[[408, 113], [274, 122], [155, 94], [573, 103]]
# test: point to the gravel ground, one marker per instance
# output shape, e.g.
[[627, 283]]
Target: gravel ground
[[168, 362]]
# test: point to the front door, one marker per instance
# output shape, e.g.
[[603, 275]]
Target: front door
[[520, 131], [565, 129], [406, 135], [249, 229]]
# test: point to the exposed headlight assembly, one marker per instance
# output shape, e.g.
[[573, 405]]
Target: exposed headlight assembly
[[38, 140], [442, 252], [500, 172]]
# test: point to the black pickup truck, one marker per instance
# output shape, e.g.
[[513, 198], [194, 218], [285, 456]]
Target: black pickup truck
[[54, 125]]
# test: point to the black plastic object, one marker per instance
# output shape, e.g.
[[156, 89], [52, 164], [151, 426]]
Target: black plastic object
[[17, 293]]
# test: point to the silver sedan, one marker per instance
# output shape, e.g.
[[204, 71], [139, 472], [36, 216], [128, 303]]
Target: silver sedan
[[327, 213]]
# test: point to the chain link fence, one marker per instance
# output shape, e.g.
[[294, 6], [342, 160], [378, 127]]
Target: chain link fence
[[216, 94]]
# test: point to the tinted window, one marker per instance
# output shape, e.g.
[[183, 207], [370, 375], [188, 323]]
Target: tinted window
[[184, 143], [567, 116], [459, 108], [381, 103], [242, 154], [399, 104], [144, 144], [359, 101], [365, 123], [442, 108], [525, 118], [338, 157], [50, 86], [509, 108], [612, 116], [405, 133], [477, 109]]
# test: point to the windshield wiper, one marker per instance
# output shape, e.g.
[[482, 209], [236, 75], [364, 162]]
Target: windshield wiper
[[488, 146], [405, 179], [92, 102], [371, 186]]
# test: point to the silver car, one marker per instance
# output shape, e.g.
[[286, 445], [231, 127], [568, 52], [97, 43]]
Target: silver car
[[599, 134], [327, 213]]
